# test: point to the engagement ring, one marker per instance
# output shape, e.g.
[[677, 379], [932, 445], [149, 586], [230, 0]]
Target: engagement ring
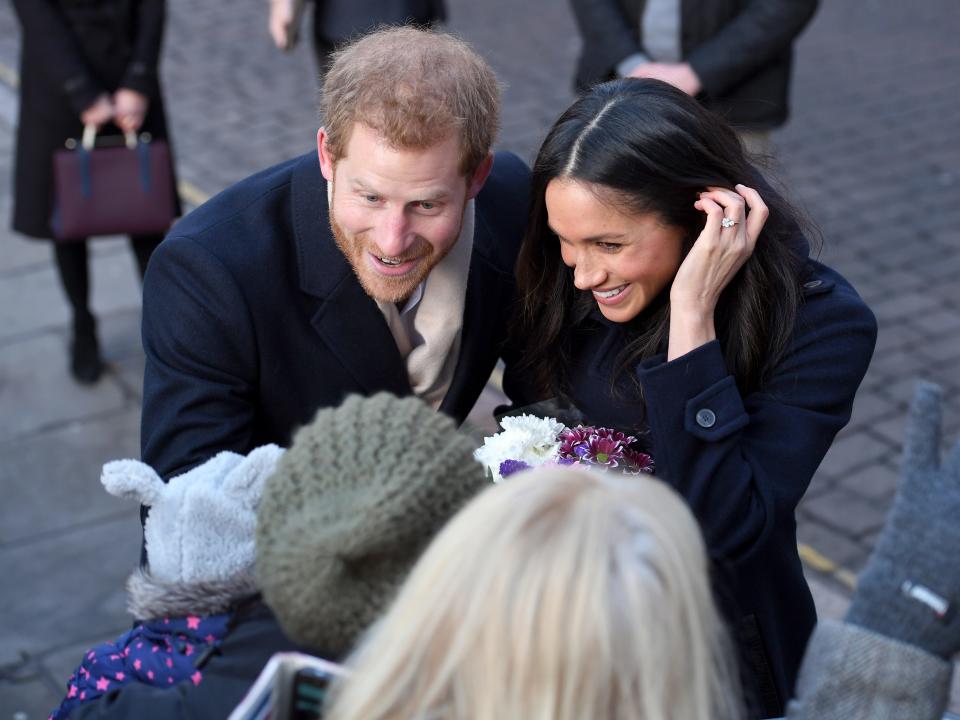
[[728, 222]]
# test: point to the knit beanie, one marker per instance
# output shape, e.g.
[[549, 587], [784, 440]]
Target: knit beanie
[[910, 589], [350, 508], [201, 524]]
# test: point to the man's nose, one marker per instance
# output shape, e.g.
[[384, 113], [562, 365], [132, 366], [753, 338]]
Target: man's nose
[[394, 235]]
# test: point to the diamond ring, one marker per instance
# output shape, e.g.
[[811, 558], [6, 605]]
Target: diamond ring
[[728, 222]]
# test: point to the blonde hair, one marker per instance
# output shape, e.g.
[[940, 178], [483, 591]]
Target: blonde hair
[[414, 87], [560, 594]]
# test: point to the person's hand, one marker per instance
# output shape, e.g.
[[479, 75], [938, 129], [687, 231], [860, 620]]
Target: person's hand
[[131, 109], [680, 75], [910, 589], [716, 256], [99, 112], [280, 22]]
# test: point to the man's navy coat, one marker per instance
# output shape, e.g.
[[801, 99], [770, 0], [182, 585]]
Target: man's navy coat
[[253, 318]]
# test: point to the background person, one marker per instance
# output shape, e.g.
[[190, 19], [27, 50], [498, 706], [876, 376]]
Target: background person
[[733, 55], [82, 62], [662, 296], [338, 21]]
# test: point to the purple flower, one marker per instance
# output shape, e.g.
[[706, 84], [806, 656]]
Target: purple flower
[[574, 441], [637, 462], [509, 467], [602, 446], [604, 451], [615, 435]]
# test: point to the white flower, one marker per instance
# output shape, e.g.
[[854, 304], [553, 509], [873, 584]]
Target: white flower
[[527, 438]]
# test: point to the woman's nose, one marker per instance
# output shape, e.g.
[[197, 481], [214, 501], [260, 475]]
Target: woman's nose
[[586, 274]]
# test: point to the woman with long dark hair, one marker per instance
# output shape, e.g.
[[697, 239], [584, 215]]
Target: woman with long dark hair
[[666, 291]]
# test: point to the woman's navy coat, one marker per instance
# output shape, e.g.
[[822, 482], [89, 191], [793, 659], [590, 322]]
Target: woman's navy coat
[[742, 463]]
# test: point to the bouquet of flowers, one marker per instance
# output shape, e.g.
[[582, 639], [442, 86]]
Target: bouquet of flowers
[[527, 441]]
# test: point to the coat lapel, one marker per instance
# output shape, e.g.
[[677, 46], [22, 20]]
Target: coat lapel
[[347, 320]]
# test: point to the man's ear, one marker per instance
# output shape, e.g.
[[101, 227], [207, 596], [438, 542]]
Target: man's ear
[[326, 159], [479, 177]]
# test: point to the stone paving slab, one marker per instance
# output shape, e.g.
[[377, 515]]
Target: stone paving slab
[[67, 493], [67, 585], [113, 282], [128, 372], [36, 391], [28, 697], [20, 254]]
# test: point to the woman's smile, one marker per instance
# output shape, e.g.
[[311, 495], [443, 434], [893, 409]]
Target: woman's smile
[[613, 296]]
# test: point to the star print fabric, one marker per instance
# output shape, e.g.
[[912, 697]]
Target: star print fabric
[[160, 652]]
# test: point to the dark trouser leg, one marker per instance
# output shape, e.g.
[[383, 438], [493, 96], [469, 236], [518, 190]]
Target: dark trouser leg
[[143, 247], [71, 260], [74, 274]]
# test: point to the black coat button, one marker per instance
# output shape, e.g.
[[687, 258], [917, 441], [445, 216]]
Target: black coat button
[[706, 418]]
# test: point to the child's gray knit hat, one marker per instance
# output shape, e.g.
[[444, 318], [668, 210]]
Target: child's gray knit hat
[[353, 503]]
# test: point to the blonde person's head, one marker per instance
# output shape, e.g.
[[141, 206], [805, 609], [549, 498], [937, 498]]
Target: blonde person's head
[[414, 87], [559, 594]]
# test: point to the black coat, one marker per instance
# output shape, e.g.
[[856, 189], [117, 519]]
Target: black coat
[[339, 20], [253, 319], [71, 52], [740, 49], [741, 462]]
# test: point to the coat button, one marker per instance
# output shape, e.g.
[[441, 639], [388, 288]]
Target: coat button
[[706, 418], [813, 284]]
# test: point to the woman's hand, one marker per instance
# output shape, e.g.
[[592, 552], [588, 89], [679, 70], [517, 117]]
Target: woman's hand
[[716, 256], [131, 109], [99, 112]]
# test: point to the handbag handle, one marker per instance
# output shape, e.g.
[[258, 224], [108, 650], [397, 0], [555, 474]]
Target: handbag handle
[[133, 143], [90, 137]]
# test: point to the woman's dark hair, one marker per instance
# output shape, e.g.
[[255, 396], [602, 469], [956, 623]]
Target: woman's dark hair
[[648, 147]]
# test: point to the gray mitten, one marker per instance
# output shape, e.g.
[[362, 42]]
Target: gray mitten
[[910, 588]]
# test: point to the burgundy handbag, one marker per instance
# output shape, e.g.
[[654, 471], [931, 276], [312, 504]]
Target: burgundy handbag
[[122, 190]]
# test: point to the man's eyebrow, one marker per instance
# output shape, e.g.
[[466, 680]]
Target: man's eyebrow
[[358, 184], [435, 195], [431, 194]]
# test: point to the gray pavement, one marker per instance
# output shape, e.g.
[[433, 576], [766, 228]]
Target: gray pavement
[[871, 152]]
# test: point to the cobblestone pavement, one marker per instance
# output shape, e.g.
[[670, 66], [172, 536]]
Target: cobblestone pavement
[[872, 153]]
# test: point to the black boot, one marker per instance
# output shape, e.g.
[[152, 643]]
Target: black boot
[[71, 259], [85, 363]]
